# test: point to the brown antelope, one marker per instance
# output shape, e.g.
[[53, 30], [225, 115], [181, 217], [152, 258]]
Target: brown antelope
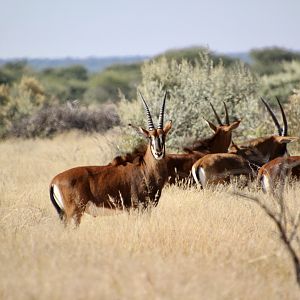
[[221, 139], [277, 170], [116, 186], [244, 159], [218, 167], [179, 165]]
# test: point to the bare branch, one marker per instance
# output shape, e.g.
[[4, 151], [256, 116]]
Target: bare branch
[[266, 209], [282, 230], [296, 224]]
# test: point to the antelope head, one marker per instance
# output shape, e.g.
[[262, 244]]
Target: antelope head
[[227, 127], [261, 150], [282, 139], [155, 136]]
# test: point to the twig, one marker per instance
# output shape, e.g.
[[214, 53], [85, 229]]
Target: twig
[[282, 229]]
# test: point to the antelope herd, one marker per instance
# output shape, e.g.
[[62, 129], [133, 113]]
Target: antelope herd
[[136, 180]]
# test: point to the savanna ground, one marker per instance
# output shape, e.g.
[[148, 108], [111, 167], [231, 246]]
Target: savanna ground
[[194, 245]]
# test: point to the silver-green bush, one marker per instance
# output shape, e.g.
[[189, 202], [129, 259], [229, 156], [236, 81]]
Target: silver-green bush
[[191, 87], [19, 100], [293, 110], [283, 83]]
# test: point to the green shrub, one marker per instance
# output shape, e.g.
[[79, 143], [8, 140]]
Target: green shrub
[[19, 100], [293, 110], [191, 88], [105, 86], [12, 72], [191, 55], [65, 84], [267, 61], [282, 83]]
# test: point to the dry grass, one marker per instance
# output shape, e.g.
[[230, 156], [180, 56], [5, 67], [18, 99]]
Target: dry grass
[[194, 245]]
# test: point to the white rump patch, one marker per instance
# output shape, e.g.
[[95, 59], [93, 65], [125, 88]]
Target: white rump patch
[[194, 174], [265, 183], [58, 197], [201, 174], [202, 177]]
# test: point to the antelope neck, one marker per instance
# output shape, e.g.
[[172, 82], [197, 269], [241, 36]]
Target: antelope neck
[[221, 142]]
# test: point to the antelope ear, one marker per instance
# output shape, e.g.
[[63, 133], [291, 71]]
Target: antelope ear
[[234, 125], [211, 125], [168, 126], [140, 130], [286, 139], [234, 146]]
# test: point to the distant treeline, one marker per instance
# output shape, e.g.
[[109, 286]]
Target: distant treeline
[[92, 64], [28, 86], [99, 80]]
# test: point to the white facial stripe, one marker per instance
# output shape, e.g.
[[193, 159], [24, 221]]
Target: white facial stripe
[[157, 147]]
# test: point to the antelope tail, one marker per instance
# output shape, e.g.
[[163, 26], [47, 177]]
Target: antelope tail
[[199, 176], [265, 183], [194, 173], [56, 200]]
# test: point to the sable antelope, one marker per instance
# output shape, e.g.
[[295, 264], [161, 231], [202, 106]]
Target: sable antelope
[[179, 165], [221, 139], [263, 149], [218, 167], [116, 186], [244, 159], [277, 170]]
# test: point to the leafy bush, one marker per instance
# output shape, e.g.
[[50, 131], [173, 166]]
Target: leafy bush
[[19, 101], [105, 86], [65, 84], [13, 71], [192, 55], [282, 83], [268, 61], [56, 119], [191, 88], [293, 109]]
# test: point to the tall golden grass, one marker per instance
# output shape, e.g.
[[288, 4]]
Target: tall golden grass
[[195, 245]]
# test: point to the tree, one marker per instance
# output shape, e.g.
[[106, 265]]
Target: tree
[[268, 60]]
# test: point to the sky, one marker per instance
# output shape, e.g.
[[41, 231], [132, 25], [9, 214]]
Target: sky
[[72, 28]]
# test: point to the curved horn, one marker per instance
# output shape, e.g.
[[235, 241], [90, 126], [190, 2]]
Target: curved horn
[[272, 115], [161, 113], [285, 125], [149, 118], [226, 114], [216, 115]]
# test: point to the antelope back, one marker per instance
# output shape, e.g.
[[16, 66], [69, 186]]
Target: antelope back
[[278, 169], [218, 167]]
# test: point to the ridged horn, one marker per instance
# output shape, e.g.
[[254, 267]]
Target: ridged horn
[[161, 113], [149, 118], [226, 114], [216, 115], [272, 115], [285, 125]]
